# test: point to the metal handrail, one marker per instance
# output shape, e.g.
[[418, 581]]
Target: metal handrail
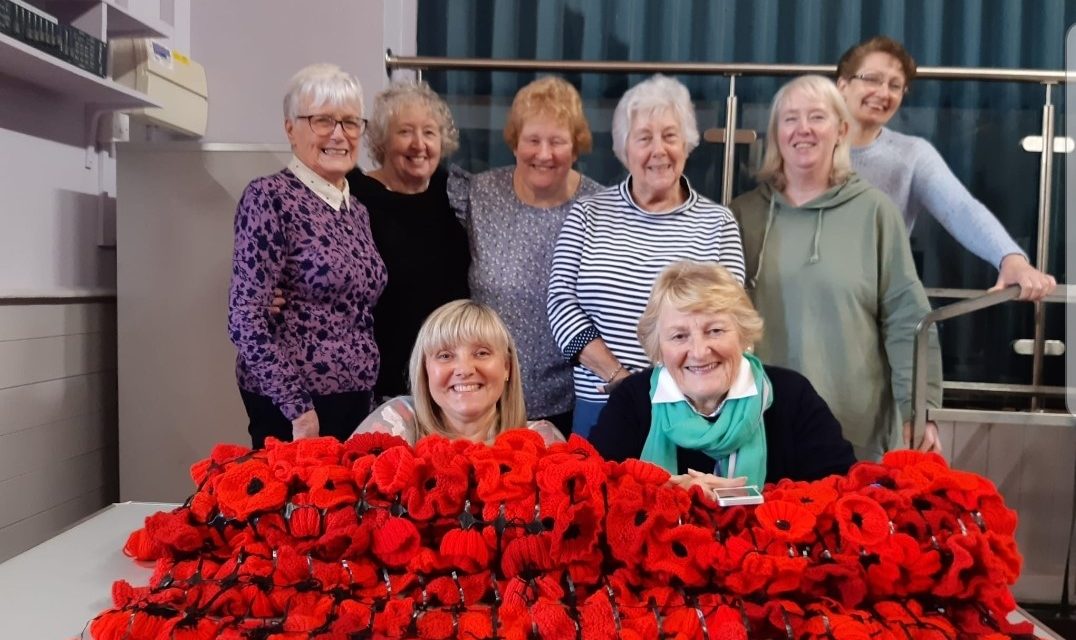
[[436, 63], [922, 341], [1044, 77]]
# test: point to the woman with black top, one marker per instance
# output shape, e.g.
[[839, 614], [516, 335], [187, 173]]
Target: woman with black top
[[422, 243]]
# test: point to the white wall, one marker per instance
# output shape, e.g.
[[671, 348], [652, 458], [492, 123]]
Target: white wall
[[58, 425], [174, 222]]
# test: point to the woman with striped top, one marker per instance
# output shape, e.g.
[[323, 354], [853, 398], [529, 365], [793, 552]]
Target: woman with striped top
[[614, 244]]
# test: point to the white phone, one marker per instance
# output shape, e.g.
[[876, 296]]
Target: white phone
[[732, 496]]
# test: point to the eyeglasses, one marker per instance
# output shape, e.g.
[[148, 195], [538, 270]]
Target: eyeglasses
[[876, 81], [324, 125]]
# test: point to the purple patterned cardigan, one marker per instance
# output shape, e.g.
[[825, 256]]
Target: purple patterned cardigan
[[327, 265]]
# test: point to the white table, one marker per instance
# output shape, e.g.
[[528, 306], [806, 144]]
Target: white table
[[54, 589]]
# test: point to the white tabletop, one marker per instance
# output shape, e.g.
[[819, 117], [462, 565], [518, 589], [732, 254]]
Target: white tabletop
[[53, 590]]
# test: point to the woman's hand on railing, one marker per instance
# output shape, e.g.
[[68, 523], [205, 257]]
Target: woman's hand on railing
[[929, 440], [1034, 284]]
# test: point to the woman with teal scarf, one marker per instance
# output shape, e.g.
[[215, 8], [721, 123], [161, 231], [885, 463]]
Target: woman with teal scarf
[[709, 411]]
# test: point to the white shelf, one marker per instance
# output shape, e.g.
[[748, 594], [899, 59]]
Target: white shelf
[[124, 24], [23, 62], [119, 21]]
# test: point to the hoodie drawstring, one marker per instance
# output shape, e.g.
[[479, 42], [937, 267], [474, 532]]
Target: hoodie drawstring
[[815, 257], [753, 283]]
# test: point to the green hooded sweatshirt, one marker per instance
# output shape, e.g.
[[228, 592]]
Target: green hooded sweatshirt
[[836, 286]]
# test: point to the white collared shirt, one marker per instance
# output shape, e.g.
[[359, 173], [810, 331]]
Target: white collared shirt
[[742, 387], [321, 187]]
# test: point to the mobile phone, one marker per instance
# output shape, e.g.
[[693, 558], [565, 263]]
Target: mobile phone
[[733, 496]]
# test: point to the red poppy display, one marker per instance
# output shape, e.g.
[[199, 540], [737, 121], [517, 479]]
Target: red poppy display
[[515, 541]]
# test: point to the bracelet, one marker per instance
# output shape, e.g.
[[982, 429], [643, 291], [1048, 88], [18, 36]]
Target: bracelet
[[619, 368]]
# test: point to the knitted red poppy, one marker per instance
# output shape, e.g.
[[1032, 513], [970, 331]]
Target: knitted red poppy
[[248, 488], [576, 531], [841, 581], [861, 520], [902, 567], [331, 486], [681, 554], [374, 443], [503, 474], [436, 625], [786, 521], [440, 487]]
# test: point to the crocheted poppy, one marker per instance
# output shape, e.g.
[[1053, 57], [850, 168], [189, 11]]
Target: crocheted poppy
[[786, 521], [331, 486], [861, 520], [249, 488]]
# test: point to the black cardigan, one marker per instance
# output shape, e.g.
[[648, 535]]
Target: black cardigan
[[803, 439]]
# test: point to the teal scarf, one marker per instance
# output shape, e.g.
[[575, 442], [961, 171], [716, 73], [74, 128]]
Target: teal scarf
[[739, 429]]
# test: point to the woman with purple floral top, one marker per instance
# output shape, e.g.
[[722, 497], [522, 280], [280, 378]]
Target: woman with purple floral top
[[309, 370]]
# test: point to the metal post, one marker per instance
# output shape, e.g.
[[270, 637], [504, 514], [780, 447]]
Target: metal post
[[731, 105], [1046, 172]]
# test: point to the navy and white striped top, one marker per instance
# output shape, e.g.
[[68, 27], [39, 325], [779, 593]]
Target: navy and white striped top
[[607, 257]]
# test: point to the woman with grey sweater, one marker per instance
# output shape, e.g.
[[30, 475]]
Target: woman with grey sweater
[[873, 77]]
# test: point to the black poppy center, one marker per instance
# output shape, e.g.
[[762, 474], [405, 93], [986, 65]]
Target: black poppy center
[[806, 500], [254, 486], [505, 468], [921, 504], [330, 485], [783, 525], [572, 532], [640, 517], [430, 484], [857, 519], [679, 550]]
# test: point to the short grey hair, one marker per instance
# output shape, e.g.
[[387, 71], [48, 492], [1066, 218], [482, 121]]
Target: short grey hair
[[656, 94], [820, 88], [395, 98], [322, 84]]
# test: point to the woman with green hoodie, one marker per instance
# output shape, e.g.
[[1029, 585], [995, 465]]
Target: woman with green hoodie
[[831, 272]]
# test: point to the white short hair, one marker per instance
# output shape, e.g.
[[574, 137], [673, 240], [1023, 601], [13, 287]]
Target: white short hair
[[656, 94], [322, 84]]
